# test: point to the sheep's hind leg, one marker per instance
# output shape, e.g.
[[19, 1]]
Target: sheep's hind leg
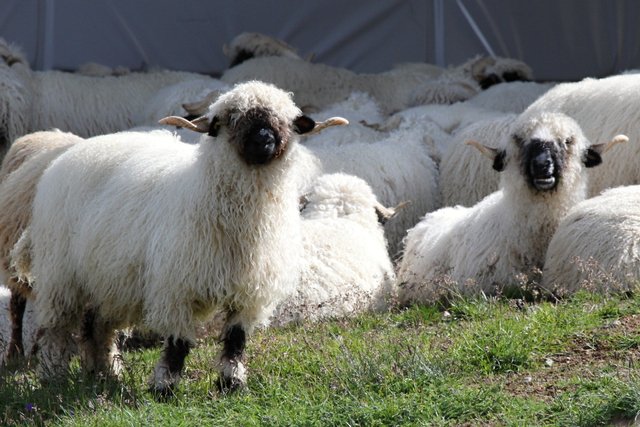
[[166, 374], [233, 375], [17, 306], [54, 353], [98, 346]]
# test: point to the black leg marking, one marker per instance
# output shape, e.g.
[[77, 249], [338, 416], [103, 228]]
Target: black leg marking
[[232, 373], [175, 353], [17, 306]]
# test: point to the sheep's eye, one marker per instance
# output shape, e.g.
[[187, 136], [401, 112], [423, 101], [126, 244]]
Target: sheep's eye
[[214, 127], [569, 140]]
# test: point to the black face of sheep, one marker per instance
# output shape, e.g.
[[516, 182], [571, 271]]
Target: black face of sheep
[[243, 55], [258, 136], [543, 163]]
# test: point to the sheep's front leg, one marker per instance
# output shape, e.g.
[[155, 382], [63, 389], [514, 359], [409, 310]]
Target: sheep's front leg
[[17, 306], [166, 374], [97, 345], [233, 375]]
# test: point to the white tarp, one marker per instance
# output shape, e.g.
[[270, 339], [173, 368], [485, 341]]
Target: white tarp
[[565, 40]]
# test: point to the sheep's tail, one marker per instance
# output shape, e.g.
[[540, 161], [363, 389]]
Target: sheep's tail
[[21, 256]]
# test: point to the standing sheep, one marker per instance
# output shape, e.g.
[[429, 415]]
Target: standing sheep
[[21, 170], [153, 232], [596, 245], [345, 266], [506, 234]]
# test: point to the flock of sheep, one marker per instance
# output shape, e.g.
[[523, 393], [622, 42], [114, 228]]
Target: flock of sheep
[[155, 200]]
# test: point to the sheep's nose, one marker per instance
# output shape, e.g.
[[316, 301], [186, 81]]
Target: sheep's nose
[[266, 137], [543, 161]]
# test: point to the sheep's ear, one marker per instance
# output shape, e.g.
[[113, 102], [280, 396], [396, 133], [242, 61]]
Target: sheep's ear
[[201, 124], [496, 156], [595, 152], [302, 124]]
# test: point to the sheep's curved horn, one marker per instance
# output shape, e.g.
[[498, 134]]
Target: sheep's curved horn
[[333, 121], [385, 214], [226, 50], [606, 146], [487, 151], [201, 124]]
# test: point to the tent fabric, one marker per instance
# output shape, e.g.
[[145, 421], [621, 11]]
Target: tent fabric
[[560, 41]]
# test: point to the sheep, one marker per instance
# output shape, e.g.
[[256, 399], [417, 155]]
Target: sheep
[[21, 170], [320, 85], [399, 168], [146, 230], [31, 101], [345, 266], [255, 45], [596, 245], [490, 246], [602, 107]]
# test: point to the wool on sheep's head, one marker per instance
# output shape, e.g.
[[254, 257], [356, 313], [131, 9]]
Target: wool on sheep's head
[[259, 120], [546, 146]]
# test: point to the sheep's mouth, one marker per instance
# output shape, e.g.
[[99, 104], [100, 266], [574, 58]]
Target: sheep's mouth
[[544, 182]]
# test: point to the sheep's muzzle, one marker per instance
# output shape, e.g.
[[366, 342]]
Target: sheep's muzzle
[[543, 163]]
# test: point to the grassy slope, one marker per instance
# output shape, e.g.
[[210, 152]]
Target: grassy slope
[[481, 362]]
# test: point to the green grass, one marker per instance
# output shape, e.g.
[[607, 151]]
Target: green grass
[[480, 362]]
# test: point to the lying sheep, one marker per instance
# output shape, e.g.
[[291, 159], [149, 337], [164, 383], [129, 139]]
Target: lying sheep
[[142, 229], [345, 266], [320, 85], [255, 45], [596, 245], [399, 167], [21, 170], [31, 101], [486, 248], [603, 107]]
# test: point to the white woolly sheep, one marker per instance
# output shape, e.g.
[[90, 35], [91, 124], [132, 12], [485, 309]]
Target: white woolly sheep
[[603, 107], [399, 168], [154, 232], [506, 234], [596, 245], [21, 170], [86, 106], [256, 45], [345, 266], [320, 85]]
